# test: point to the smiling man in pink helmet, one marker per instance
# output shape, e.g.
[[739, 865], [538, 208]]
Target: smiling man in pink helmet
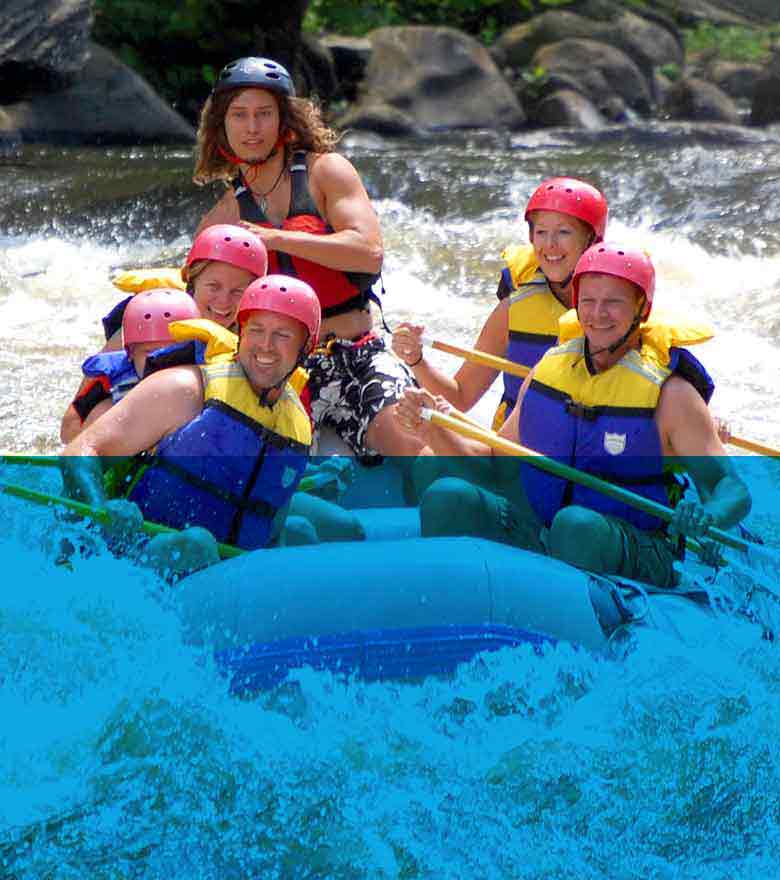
[[226, 442], [611, 400]]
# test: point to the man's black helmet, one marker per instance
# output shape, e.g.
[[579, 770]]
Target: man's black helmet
[[262, 73]]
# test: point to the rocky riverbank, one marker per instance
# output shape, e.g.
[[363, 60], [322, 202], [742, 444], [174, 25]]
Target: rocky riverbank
[[594, 64]]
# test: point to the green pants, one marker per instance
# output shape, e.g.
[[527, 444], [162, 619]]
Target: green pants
[[601, 543]]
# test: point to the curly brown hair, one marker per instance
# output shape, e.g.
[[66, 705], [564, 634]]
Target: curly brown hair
[[300, 124]]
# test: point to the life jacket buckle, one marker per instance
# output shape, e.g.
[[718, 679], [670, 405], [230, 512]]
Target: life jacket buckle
[[588, 413]]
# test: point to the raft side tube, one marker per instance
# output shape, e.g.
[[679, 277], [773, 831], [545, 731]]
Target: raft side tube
[[331, 589], [374, 655]]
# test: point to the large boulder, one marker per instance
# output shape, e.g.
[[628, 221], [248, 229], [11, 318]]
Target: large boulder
[[107, 104], [434, 78], [722, 12], [42, 44], [648, 43], [751, 11], [565, 107], [765, 108], [601, 73], [736, 79], [10, 139], [350, 60], [700, 101], [517, 46]]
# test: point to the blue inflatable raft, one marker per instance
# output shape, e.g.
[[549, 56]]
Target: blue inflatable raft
[[404, 608]]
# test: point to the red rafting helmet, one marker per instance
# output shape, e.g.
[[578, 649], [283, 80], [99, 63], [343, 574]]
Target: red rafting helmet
[[286, 296], [607, 258], [567, 195], [148, 314], [229, 244]]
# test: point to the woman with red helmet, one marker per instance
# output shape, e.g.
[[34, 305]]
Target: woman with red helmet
[[564, 217], [223, 260], [613, 399]]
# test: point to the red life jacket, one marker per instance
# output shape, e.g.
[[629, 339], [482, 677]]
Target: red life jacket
[[338, 291]]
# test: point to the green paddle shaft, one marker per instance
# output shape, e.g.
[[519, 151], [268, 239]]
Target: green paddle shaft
[[99, 515], [31, 460], [567, 472]]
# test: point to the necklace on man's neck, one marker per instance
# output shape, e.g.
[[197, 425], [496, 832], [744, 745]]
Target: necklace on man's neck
[[262, 198]]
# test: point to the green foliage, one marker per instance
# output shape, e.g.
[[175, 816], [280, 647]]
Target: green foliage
[[482, 18], [491, 31], [732, 43], [671, 71], [177, 45], [534, 80], [349, 17]]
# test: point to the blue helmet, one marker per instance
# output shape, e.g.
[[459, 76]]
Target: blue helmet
[[260, 73]]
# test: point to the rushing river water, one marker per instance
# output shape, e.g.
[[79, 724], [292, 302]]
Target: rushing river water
[[122, 754]]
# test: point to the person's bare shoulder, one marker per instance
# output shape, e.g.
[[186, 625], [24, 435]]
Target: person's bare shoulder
[[684, 420], [225, 211], [328, 171]]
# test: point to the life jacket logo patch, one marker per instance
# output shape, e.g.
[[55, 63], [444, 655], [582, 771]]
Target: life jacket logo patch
[[289, 475], [614, 443]]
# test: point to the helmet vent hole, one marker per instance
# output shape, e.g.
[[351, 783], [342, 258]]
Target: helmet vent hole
[[148, 316], [622, 253], [166, 314], [228, 238], [246, 244]]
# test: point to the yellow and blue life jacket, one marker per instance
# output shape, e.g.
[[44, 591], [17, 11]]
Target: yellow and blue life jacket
[[603, 423], [115, 370], [233, 466], [534, 312]]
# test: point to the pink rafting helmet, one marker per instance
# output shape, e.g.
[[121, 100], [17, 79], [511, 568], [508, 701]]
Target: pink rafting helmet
[[286, 296], [608, 258], [229, 244], [148, 314], [567, 195]]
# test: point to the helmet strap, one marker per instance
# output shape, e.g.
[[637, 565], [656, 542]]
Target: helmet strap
[[253, 163], [269, 396], [625, 337]]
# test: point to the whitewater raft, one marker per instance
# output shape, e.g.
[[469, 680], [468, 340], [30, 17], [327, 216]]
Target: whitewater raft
[[397, 606], [408, 607]]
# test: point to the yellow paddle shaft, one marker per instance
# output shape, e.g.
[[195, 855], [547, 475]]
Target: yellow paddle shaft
[[507, 366]]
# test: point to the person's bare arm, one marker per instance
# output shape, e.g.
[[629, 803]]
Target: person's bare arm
[[689, 434], [355, 245], [441, 441], [71, 420], [72, 425], [154, 408], [161, 403], [471, 381]]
